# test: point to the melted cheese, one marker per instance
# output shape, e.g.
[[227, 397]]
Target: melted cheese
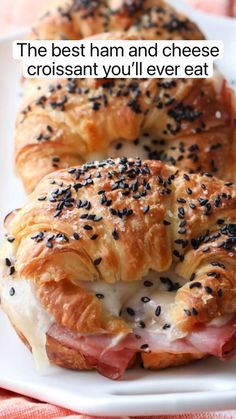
[[25, 311], [119, 298], [128, 149], [28, 316]]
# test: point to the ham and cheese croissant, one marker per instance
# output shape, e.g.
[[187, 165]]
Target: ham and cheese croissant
[[187, 123], [123, 260]]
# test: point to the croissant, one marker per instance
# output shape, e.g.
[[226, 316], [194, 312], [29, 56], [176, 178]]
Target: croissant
[[61, 123], [123, 261]]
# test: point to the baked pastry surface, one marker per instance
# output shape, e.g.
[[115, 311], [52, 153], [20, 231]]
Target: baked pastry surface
[[187, 123], [121, 259]]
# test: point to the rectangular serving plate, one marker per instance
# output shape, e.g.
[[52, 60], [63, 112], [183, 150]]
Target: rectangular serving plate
[[203, 386]]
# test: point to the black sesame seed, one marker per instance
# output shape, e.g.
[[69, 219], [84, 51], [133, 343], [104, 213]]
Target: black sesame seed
[[49, 128], [93, 237], [75, 236], [213, 274], [134, 185], [87, 227], [195, 285], [84, 216], [12, 291], [166, 326], [192, 277], [113, 211], [118, 146], [97, 261], [202, 201], [100, 296], [141, 324], [144, 346], [108, 202], [220, 265], [115, 234], [181, 212], [176, 253], [7, 262], [11, 270], [146, 209], [71, 170], [179, 241], [166, 223], [182, 231], [56, 159], [145, 299], [97, 218], [148, 283], [158, 311], [10, 239], [181, 200], [220, 293], [130, 311], [77, 186], [42, 198], [49, 244], [194, 311], [208, 290], [96, 106]]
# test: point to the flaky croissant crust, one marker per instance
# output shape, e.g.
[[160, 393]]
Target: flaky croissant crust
[[116, 220], [190, 123]]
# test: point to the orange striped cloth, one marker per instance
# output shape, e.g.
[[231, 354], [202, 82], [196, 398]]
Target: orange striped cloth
[[14, 406], [219, 7], [16, 15]]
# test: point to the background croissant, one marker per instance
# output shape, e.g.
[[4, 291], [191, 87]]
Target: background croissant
[[187, 123], [74, 266]]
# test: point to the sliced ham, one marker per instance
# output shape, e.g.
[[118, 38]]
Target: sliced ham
[[159, 342], [111, 357], [110, 361], [217, 341], [213, 340]]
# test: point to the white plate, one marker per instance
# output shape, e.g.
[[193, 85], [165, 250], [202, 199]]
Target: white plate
[[207, 385]]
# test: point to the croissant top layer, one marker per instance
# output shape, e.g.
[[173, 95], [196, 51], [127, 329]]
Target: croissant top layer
[[62, 123], [120, 218], [75, 19], [116, 220]]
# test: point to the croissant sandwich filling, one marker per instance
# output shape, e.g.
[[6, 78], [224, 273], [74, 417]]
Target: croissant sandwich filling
[[122, 261], [144, 305]]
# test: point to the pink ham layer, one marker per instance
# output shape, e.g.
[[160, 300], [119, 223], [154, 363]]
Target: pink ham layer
[[112, 360]]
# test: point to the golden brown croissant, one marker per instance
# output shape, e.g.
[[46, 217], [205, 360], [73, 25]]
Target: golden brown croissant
[[187, 123], [118, 259], [151, 19]]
